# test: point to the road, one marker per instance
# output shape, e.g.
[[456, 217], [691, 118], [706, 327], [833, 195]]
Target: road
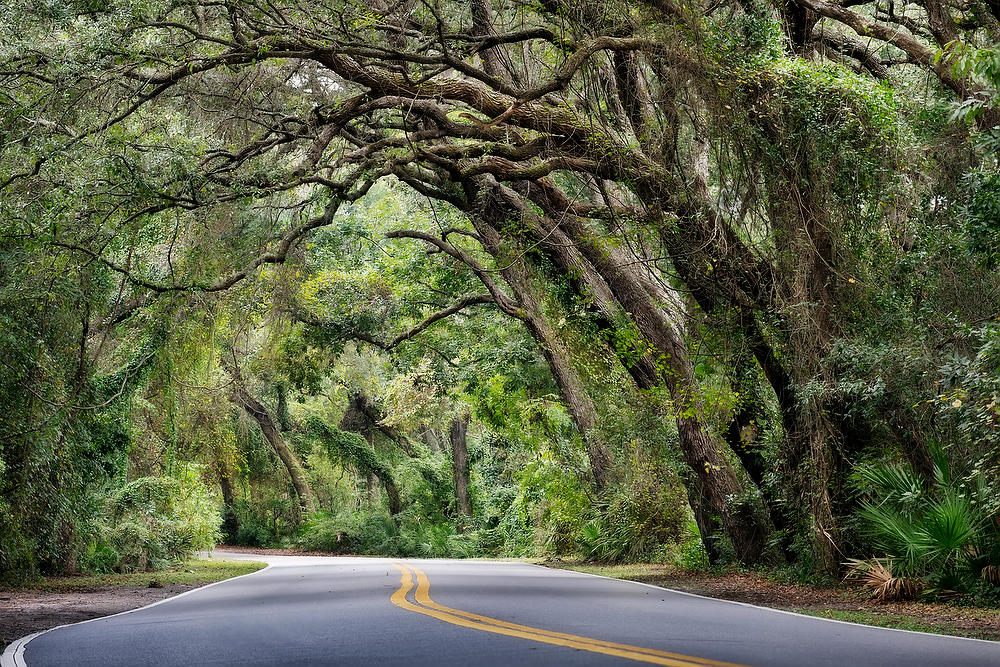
[[305, 610]]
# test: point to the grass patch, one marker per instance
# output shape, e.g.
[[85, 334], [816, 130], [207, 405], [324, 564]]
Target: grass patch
[[633, 572], [194, 572], [898, 621]]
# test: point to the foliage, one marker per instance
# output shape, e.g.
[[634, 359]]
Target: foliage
[[708, 274], [348, 448], [876, 574], [155, 521], [969, 61], [983, 217], [531, 501], [643, 520], [946, 536], [378, 534]]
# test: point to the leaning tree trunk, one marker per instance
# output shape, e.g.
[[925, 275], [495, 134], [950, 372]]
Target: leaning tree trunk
[[364, 417], [361, 418], [460, 463], [646, 305], [571, 387], [391, 491], [253, 407]]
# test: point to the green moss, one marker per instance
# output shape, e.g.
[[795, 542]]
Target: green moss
[[348, 447]]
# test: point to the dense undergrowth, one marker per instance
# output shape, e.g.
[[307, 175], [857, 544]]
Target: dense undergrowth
[[542, 513], [697, 284]]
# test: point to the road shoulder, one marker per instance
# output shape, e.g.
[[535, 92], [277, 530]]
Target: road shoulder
[[844, 604], [56, 601]]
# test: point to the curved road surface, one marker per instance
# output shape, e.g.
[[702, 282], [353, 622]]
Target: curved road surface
[[349, 611]]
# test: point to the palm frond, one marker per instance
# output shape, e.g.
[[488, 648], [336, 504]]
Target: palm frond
[[895, 533], [950, 526], [895, 483], [877, 575]]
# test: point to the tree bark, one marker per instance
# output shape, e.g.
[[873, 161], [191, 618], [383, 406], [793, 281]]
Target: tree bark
[[429, 438], [635, 294], [259, 413], [365, 418], [391, 492], [571, 387], [460, 463]]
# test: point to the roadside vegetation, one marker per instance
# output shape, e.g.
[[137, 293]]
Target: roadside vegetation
[[47, 602], [706, 285], [963, 617], [191, 573], [920, 620]]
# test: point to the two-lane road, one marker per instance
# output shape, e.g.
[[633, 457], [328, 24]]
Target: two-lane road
[[328, 611]]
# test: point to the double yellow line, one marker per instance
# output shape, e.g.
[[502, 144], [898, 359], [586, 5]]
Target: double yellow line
[[426, 606]]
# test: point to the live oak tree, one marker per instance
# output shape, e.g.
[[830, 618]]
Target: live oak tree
[[692, 168]]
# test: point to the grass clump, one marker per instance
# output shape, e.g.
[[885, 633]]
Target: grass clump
[[899, 622], [194, 572], [379, 534]]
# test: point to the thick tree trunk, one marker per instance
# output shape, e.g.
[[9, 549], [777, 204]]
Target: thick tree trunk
[[560, 249], [571, 388], [708, 523], [482, 25], [460, 463], [641, 367], [811, 280], [645, 304], [253, 407]]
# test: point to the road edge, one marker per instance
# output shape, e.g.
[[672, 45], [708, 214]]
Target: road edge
[[755, 606], [13, 655]]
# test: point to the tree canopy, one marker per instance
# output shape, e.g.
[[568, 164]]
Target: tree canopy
[[688, 273]]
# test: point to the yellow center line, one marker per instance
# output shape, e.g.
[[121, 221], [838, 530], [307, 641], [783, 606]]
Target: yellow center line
[[428, 607], [422, 596]]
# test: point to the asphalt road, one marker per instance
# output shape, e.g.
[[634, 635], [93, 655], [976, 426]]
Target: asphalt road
[[373, 611]]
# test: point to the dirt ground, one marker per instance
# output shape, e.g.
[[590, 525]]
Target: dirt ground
[[25, 612]]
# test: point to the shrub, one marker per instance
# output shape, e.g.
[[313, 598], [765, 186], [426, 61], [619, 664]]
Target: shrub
[[343, 533], [254, 533], [877, 574], [641, 521], [945, 538], [16, 559], [378, 534], [153, 521], [692, 553], [100, 558]]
